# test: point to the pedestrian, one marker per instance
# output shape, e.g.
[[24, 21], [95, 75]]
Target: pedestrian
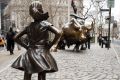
[[37, 58], [10, 41], [100, 39], [87, 43], [89, 39]]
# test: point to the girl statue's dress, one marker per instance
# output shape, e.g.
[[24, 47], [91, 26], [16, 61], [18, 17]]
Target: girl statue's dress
[[37, 58]]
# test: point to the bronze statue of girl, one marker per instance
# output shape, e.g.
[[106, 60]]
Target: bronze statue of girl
[[37, 58]]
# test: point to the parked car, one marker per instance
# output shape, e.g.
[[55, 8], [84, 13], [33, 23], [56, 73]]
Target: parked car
[[2, 42]]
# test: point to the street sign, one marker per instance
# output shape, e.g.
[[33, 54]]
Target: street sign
[[104, 9], [110, 3]]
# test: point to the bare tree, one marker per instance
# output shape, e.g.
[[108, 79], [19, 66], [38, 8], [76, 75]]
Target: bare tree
[[53, 7], [86, 10], [92, 14]]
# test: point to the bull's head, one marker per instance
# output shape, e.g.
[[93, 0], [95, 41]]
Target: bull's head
[[82, 35], [87, 28]]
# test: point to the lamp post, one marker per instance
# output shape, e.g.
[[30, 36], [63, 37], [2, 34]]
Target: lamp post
[[108, 24], [109, 28], [100, 22]]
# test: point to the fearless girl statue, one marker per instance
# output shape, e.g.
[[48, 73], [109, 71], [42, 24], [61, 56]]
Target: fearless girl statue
[[37, 58]]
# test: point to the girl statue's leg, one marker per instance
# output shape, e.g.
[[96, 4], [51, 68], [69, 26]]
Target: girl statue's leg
[[41, 76], [27, 76]]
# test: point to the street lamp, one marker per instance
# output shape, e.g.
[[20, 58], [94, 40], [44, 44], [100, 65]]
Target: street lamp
[[109, 18]]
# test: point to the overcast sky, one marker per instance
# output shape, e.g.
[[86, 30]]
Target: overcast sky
[[115, 10]]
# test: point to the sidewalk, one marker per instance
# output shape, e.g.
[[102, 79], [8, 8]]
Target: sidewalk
[[6, 59], [94, 64]]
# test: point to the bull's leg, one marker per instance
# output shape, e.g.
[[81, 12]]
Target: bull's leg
[[76, 48], [61, 45], [82, 47], [86, 44]]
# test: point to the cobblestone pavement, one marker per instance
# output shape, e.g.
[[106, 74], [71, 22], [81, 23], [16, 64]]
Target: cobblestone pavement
[[6, 59], [94, 64]]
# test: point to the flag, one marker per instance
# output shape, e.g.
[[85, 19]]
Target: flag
[[74, 6]]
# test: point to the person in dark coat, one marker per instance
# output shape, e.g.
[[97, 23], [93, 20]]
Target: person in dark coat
[[37, 58], [10, 41], [100, 39], [88, 39], [87, 43]]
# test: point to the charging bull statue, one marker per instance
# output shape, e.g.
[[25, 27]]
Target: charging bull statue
[[73, 33]]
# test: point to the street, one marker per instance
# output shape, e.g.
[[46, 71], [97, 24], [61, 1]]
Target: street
[[94, 64]]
